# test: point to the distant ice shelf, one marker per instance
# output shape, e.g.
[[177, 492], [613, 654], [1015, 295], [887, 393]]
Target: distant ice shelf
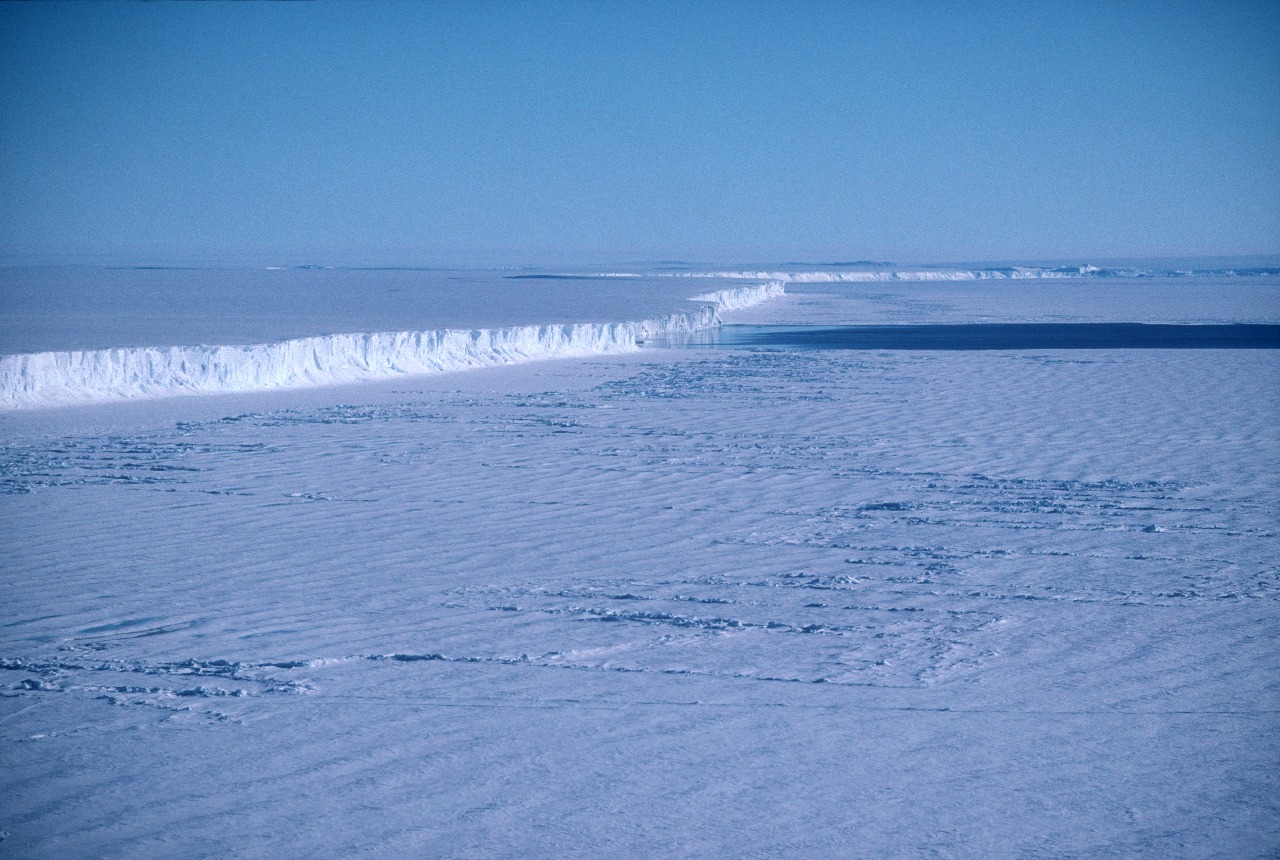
[[997, 273]]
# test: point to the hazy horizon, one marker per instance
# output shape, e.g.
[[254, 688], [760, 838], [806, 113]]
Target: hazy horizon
[[550, 134]]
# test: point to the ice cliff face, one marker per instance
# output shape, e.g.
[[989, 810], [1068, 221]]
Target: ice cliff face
[[58, 378], [46, 379], [742, 297]]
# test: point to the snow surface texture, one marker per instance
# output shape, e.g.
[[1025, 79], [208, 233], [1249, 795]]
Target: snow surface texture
[[63, 378], [655, 603]]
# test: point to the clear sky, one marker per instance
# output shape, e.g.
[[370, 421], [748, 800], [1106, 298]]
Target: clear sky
[[551, 132]]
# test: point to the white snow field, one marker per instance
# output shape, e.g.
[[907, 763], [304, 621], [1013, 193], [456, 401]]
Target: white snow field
[[651, 603]]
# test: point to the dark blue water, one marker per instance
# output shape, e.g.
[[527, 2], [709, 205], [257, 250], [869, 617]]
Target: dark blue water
[[989, 336]]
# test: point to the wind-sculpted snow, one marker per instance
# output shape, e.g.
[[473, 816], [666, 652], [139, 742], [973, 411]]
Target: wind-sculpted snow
[[838, 604], [62, 378]]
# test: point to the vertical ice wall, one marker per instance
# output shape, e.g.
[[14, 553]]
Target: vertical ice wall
[[47, 379]]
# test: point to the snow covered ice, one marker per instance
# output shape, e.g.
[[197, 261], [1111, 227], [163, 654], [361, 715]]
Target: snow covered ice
[[64, 377], [641, 601]]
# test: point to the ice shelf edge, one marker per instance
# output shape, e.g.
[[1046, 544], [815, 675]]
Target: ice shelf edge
[[54, 379]]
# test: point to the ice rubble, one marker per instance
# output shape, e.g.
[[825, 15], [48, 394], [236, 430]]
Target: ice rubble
[[46, 379]]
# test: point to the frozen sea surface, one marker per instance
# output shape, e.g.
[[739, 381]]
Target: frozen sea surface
[[746, 603]]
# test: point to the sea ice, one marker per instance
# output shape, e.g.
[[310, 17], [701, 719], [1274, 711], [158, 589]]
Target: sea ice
[[690, 603]]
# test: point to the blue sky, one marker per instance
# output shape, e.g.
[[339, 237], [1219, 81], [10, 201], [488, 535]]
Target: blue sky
[[554, 132]]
